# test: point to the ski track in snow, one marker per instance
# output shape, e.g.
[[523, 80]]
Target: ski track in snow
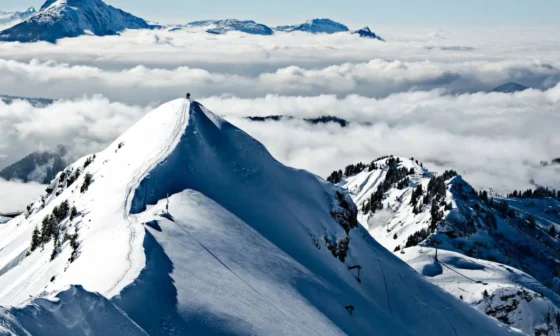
[[135, 182]]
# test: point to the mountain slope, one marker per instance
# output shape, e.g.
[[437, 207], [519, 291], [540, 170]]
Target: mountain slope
[[316, 26], [225, 26], [189, 225], [40, 167], [403, 205], [71, 18]]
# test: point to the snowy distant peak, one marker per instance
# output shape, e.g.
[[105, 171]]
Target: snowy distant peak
[[316, 26], [510, 87], [224, 26], [71, 18], [367, 33], [7, 17]]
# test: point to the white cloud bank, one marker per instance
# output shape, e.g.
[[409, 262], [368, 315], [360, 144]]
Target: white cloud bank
[[496, 140], [153, 66], [15, 196], [415, 95]]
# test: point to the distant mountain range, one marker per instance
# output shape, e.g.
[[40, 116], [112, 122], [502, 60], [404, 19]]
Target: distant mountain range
[[9, 17], [71, 18], [313, 26], [58, 19]]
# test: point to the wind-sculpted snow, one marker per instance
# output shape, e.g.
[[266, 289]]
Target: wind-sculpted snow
[[189, 225]]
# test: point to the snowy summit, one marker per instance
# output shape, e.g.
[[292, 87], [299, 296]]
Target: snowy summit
[[70, 18], [187, 225], [225, 26], [367, 33], [316, 26]]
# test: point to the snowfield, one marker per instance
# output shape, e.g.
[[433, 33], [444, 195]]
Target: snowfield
[[185, 224]]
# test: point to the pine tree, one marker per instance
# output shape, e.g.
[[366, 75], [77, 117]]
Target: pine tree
[[552, 231], [73, 213], [35, 239], [531, 222], [87, 181]]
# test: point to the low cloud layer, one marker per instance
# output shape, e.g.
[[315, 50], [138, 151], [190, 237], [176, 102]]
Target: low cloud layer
[[143, 67], [376, 78], [496, 140], [422, 94], [15, 196], [83, 125]]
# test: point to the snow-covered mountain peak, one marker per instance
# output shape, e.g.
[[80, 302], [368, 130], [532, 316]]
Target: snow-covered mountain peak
[[367, 33], [186, 219], [316, 26], [70, 18], [227, 25]]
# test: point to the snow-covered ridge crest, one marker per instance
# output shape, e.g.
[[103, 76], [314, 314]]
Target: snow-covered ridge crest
[[186, 219]]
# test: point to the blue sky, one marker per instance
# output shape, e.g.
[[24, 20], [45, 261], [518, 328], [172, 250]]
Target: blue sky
[[357, 12]]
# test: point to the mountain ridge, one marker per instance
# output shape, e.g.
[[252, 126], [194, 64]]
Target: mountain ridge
[[206, 231]]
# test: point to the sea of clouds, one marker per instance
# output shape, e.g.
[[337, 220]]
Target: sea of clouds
[[422, 94]]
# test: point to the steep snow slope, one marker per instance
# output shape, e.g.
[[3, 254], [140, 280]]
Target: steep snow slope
[[225, 26], [190, 226], [70, 18], [402, 205], [316, 26]]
